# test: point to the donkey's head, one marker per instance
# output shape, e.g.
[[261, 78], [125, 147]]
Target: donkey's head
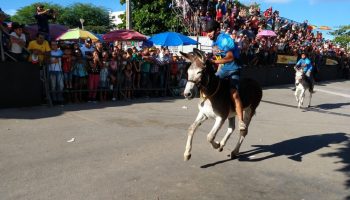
[[195, 71], [299, 75]]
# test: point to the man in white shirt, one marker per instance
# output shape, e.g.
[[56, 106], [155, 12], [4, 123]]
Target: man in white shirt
[[18, 41], [87, 49], [56, 73]]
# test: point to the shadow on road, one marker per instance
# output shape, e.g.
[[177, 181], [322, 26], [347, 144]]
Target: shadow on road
[[40, 112], [294, 149], [320, 108], [343, 154], [329, 106]]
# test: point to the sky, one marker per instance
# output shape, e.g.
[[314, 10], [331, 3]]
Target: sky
[[333, 13]]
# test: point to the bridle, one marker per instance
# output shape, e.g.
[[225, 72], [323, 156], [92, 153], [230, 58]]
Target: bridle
[[199, 85]]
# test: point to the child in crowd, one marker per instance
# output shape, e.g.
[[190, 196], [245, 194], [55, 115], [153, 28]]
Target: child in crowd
[[67, 65], [94, 76], [79, 75], [128, 80], [104, 76], [136, 67], [173, 71], [113, 75]]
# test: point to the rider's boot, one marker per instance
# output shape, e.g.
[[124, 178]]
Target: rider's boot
[[311, 85], [311, 89]]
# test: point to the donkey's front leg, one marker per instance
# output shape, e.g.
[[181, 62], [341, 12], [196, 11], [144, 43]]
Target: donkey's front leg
[[200, 118], [301, 98], [219, 121], [296, 95]]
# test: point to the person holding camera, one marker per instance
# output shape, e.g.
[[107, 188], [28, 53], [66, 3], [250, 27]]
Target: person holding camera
[[42, 17]]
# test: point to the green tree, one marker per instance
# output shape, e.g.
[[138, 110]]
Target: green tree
[[152, 16], [96, 19], [25, 15], [342, 36]]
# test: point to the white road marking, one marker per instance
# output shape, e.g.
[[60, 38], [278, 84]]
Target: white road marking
[[334, 93]]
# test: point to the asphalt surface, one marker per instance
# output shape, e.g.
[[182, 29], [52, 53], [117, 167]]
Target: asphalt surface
[[131, 150]]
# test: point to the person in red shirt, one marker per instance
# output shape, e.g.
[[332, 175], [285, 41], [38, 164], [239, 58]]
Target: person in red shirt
[[67, 64]]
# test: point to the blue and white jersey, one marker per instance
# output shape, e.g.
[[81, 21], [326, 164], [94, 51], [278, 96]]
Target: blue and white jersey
[[307, 62]]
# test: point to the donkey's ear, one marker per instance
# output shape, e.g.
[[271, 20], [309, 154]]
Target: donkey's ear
[[188, 56], [200, 54]]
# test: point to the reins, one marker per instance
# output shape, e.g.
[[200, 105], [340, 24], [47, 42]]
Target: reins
[[210, 96]]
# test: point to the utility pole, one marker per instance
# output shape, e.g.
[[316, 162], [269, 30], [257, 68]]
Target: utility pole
[[82, 23], [128, 15]]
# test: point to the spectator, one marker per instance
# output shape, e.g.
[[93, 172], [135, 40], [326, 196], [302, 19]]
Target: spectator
[[94, 76], [67, 67], [42, 17], [128, 81], [87, 49], [113, 75], [145, 68], [56, 73], [104, 75], [79, 75], [18, 42], [39, 49]]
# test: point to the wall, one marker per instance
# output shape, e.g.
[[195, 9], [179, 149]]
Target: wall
[[20, 85], [269, 76]]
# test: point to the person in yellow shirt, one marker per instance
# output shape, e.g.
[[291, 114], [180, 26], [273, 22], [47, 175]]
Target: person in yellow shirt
[[39, 49]]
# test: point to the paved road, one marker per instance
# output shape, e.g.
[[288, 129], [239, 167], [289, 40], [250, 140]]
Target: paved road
[[134, 150]]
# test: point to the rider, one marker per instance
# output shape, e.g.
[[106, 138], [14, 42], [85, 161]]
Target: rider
[[305, 63], [228, 52]]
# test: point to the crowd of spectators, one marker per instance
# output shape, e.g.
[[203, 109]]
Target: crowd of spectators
[[92, 70], [100, 71], [244, 23]]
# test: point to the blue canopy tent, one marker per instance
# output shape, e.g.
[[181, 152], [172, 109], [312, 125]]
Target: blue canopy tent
[[171, 39]]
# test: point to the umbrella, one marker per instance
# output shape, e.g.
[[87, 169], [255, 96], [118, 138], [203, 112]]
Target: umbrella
[[147, 44], [76, 34], [99, 36], [122, 35], [267, 33], [55, 30], [172, 39]]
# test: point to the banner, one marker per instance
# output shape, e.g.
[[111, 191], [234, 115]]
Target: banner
[[284, 59], [331, 62]]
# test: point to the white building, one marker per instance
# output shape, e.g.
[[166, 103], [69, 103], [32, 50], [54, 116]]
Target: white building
[[115, 17]]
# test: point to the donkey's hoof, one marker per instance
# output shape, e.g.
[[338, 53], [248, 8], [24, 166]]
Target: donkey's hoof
[[220, 149], [234, 154], [187, 157], [215, 145]]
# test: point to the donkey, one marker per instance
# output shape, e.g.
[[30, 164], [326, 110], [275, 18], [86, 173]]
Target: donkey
[[215, 101], [301, 85]]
